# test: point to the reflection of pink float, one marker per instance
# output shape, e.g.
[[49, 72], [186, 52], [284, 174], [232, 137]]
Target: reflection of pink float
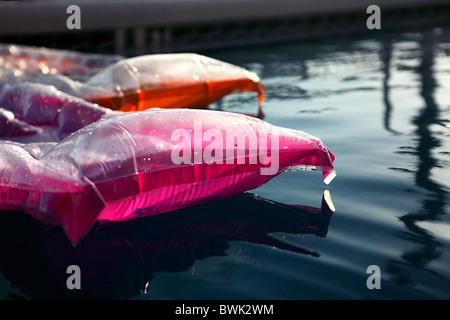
[[138, 164]]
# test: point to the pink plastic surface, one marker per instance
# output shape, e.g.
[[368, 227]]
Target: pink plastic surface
[[37, 112], [139, 164]]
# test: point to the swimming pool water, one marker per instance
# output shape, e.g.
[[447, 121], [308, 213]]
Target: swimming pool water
[[381, 103]]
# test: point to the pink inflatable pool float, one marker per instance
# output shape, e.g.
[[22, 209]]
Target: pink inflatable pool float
[[131, 165], [37, 112]]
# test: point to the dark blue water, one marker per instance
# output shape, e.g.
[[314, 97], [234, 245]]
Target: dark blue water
[[381, 103]]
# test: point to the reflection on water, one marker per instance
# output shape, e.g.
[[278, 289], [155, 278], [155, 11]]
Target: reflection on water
[[385, 57], [382, 106], [117, 260], [434, 205]]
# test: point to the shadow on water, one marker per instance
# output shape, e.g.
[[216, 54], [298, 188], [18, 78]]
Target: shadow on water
[[426, 248], [117, 260]]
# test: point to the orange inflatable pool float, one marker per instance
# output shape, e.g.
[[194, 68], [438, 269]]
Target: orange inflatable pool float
[[184, 80]]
